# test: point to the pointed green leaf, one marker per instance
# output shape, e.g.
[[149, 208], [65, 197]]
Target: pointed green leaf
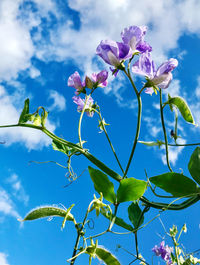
[[106, 256], [102, 184], [23, 118], [118, 221], [47, 211], [176, 184], [194, 165], [134, 214], [130, 189], [181, 104], [103, 254]]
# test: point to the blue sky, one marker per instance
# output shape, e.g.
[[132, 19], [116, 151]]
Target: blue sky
[[42, 43]]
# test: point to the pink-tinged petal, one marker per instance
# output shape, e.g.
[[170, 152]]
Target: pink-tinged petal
[[149, 90], [81, 102]]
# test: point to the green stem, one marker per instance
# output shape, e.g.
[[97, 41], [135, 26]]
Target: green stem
[[138, 123], [164, 131], [75, 248], [84, 152], [80, 120], [79, 234], [109, 141], [176, 250]]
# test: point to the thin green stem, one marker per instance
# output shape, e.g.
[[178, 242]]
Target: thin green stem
[[109, 141], [80, 120], [138, 123], [164, 131], [80, 234], [113, 218], [176, 250], [75, 249]]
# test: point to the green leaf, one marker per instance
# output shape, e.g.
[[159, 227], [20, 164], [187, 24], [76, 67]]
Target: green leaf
[[103, 254], [102, 184], [118, 221], [23, 118], [134, 214], [47, 211], [181, 104], [176, 184], [60, 147], [130, 189], [194, 165]]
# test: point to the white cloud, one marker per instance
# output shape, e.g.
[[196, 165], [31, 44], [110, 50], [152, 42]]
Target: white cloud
[[17, 188], [16, 45], [59, 102], [9, 115], [7, 206], [3, 259]]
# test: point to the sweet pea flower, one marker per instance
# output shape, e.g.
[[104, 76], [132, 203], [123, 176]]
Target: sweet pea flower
[[161, 77], [164, 252], [113, 52], [75, 81], [81, 102], [134, 37], [97, 80]]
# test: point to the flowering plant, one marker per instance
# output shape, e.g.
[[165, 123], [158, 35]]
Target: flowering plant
[[130, 56]]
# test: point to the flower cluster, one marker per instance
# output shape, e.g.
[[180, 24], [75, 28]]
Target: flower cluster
[[164, 252], [115, 53], [96, 80]]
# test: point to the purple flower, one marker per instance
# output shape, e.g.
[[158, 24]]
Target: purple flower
[[161, 77], [134, 38], [96, 80], [164, 252], [81, 102], [75, 81], [113, 52]]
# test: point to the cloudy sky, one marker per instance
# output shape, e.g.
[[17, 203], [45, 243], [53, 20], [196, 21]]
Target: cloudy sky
[[42, 42]]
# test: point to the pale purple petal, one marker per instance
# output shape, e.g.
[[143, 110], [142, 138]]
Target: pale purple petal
[[102, 76], [133, 35], [106, 47], [165, 83], [113, 52], [167, 67], [75, 81], [144, 66], [81, 102], [143, 46], [164, 252]]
